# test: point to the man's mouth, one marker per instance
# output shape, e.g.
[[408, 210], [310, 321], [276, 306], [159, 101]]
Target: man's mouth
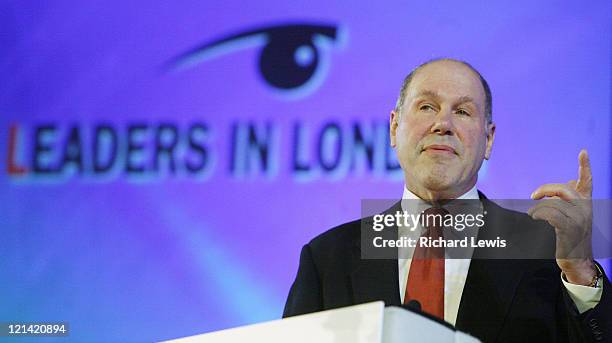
[[439, 149]]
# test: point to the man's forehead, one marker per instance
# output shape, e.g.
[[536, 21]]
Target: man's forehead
[[428, 93], [447, 79]]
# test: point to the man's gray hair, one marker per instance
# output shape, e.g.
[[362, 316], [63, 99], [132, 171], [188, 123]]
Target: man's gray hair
[[488, 97]]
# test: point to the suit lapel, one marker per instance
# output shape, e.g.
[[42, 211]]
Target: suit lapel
[[487, 295], [491, 283]]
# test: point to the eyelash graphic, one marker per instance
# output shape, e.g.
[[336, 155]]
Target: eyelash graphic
[[290, 59]]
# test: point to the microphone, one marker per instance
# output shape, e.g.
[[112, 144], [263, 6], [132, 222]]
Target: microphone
[[413, 305]]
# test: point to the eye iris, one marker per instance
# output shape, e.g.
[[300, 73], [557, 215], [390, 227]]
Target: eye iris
[[304, 55]]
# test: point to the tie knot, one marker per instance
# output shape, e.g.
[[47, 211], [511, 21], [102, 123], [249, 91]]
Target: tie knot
[[434, 217]]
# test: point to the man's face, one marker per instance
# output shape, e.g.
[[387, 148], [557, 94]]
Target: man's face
[[441, 135]]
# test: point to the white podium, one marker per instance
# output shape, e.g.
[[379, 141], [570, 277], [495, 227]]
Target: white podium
[[367, 323]]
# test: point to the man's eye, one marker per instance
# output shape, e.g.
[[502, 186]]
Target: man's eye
[[426, 107]]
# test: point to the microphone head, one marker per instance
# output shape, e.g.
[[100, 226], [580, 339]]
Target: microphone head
[[413, 305]]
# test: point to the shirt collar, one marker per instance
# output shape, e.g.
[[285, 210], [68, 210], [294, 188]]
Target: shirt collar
[[412, 204], [419, 206], [471, 194]]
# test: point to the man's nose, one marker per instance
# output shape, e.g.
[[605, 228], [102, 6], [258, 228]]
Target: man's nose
[[443, 123]]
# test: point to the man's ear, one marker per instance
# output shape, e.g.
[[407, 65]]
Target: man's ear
[[490, 139], [393, 122]]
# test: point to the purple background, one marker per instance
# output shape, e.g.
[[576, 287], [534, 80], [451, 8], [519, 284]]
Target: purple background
[[126, 259]]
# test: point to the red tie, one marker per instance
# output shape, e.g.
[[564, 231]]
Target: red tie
[[426, 278]]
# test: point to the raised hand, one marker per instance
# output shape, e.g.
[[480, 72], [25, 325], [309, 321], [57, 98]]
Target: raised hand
[[569, 209]]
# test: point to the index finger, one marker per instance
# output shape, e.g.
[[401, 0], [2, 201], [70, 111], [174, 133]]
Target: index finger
[[585, 178]]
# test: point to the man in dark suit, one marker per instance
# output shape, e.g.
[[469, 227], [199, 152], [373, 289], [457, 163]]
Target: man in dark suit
[[442, 130]]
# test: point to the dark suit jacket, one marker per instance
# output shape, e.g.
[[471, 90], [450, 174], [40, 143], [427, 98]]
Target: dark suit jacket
[[504, 300]]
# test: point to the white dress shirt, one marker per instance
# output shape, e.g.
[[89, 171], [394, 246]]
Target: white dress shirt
[[456, 270]]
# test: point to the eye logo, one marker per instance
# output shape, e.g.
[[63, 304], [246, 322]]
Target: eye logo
[[292, 60]]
